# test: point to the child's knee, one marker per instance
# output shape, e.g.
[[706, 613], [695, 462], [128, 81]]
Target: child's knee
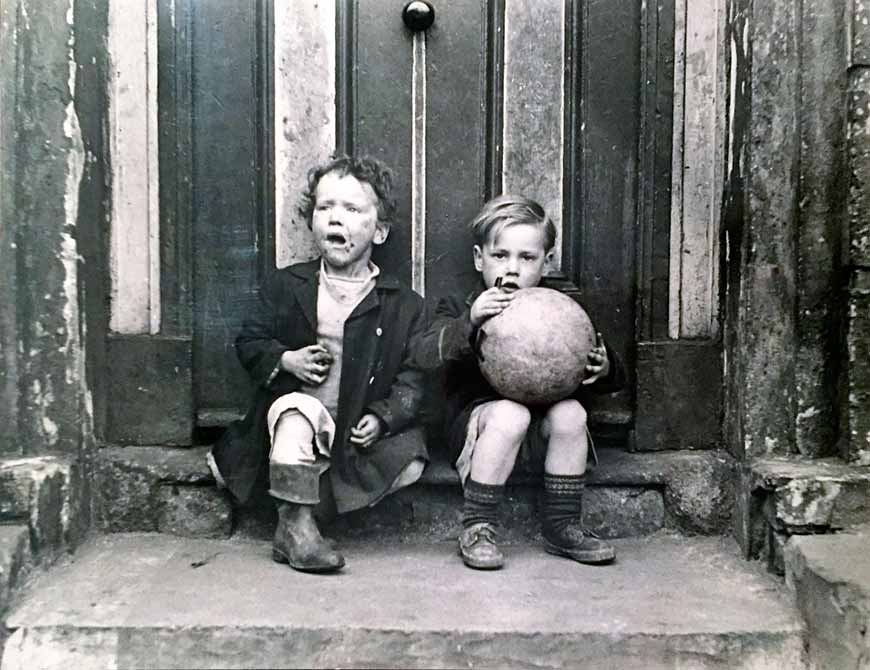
[[293, 441], [567, 416], [507, 417]]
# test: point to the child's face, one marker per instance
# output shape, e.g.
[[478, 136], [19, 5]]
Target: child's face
[[517, 255], [345, 223]]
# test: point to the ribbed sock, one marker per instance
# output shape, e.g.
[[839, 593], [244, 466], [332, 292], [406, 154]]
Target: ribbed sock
[[481, 503], [561, 502]]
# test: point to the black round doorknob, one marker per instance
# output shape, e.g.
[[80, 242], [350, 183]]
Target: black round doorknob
[[418, 15]]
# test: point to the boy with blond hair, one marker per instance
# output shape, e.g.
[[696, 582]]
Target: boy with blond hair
[[489, 434]]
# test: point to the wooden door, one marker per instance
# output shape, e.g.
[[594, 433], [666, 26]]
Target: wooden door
[[498, 95]]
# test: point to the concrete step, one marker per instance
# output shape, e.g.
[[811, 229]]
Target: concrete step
[[830, 576], [158, 601], [782, 497], [15, 560], [170, 490], [45, 493]]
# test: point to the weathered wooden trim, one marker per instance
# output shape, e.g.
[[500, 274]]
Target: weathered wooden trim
[[571, 121], [345, 44], [133, 149], [174, 106], [267, 179], [698, 169], [381, 114], [679, 395], [304, 127], [657, 145], [677, 171], [460, 114], [418, 164], [534, 96], [494, 97], [153, 167], [9, 394], [93, 225], [149, 398]]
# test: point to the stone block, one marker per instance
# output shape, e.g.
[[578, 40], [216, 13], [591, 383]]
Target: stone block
[[676, 410], [623, 511], [860, 12], [129, 479], [779, 497], [149, 398], [125, 500], [45, 493], [699, 496], [805, 505], [749, 521], [15, 488], [857, 444], [776, 542], [858, 203], [14, 560], [194, 511], [829, 575]]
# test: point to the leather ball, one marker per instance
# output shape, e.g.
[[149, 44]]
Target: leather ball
[[535, 351]]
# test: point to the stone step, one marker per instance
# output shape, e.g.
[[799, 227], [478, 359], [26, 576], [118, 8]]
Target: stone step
[[170, 490], [782, 497], [45, 493], [15, 560], [830, 576], [158, 601]]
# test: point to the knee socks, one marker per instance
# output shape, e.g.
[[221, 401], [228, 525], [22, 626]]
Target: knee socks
[[481, 503], [561, 502]]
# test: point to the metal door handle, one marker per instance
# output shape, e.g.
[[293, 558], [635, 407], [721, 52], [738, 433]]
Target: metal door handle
[[418, 15]]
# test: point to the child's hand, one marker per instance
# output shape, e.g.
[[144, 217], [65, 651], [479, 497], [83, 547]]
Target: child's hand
[[310, 364], [598, 365], [366, 431], [489, 303]]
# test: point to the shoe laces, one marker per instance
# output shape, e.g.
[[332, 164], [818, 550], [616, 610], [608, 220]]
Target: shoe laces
[[484, 532]]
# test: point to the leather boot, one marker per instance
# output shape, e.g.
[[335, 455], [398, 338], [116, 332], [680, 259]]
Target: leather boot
[[478, 547], [579, 544], [299, 543], [563, 531]]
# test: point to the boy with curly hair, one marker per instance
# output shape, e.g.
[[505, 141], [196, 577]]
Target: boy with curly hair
[[328, 349]]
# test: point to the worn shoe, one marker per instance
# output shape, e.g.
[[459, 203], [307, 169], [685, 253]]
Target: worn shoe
[[478, 548], [298, 541], [583, 546]]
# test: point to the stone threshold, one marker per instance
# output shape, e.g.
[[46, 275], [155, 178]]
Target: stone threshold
[[156, 601]]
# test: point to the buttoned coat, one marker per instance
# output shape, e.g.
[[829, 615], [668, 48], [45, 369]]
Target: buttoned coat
[[377, 376]]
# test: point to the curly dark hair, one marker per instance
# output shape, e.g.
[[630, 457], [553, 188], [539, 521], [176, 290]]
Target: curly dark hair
[[366, 169]]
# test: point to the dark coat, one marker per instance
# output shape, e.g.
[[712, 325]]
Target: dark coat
[[376, 377], [448, 345]]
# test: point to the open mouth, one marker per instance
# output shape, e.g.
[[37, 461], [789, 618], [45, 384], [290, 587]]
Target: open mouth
[[336, 238], [509, 286]]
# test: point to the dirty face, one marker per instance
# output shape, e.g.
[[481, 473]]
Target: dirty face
[[516, 254], [345, 223]]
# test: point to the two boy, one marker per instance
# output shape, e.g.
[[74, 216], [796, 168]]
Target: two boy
[[338, 349]]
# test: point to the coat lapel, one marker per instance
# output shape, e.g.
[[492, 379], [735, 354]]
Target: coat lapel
[[305, 291]]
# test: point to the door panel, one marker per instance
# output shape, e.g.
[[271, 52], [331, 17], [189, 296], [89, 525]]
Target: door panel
[[609, 107], [457, 103], [380, 110], [461, 126], [227, 230]]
